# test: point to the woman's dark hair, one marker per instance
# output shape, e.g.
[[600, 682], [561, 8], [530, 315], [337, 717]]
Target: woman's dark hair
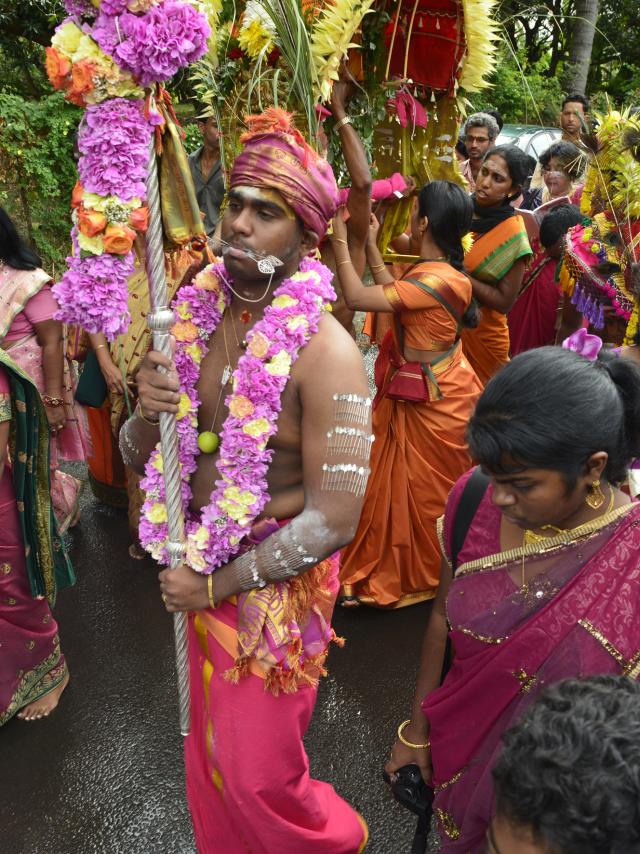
[[552, 409], [571, 159], [461, 148], [517, 162], [569, 771], [13, 250], [449, 211], [557, 222]]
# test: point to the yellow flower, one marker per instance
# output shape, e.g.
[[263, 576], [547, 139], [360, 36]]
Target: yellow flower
[[240, 406], [207, 280], [95, 245], [183, 311], [194, 556], [67, 38], [254, 38], [158, 464], [88, 49], [184, 407], [284, 301], [235, 511], [157, 514], [279, 365], [244, 497], [195, 352], [201, 537], [297, 321], [306, 276], [222, 303], [257, 427]]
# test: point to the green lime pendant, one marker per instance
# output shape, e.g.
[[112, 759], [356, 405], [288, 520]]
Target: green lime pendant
[[208, 442]]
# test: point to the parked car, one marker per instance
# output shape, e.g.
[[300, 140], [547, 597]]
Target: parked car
[[532, 139]]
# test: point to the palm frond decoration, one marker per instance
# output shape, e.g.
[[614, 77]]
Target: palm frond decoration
[[481, 33], [331, 37]]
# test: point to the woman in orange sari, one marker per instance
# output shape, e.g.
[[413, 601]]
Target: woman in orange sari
[[426, 395], [496, 262]]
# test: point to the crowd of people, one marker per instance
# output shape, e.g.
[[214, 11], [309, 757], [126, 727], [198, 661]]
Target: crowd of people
[[490, 474]]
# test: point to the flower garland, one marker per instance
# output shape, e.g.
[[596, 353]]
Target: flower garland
[[102, 57], [254, 405]]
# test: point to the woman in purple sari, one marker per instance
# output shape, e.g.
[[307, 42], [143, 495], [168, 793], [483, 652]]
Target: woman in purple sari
[[547, 584], [33, 560]]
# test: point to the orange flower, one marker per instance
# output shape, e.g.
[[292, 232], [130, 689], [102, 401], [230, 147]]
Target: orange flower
[[76, 195], [259, 345], [118, 239], [58, 67], [81, 78], [139, 219], [207, 281], [91, 222], [240, 406], [184, 330]]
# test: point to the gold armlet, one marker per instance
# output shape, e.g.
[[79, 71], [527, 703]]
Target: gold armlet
[[210, 594]]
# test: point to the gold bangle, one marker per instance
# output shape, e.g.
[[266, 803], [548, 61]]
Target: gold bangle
[[98, 347], [409, 743], [212, 601], [340, 240], [340, 263], [141, 414], [380, 267]]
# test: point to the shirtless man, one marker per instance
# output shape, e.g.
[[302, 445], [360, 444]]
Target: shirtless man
[[249, 787]]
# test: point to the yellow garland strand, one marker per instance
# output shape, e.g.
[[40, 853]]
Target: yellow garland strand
[[480, 29], [331, 37]]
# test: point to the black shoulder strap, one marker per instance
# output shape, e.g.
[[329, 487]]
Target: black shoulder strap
[[472, 495]]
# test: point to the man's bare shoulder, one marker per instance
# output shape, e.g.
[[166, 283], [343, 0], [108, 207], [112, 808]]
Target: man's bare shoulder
[[330, 358], [331, 343]]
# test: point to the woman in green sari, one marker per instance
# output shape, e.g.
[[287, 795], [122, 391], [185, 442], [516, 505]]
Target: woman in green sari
[[33, 560]]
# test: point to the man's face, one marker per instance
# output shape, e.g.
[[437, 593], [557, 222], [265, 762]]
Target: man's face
[[506, 838], [260, 222], [571, 118], [210, 132], [477, 142]]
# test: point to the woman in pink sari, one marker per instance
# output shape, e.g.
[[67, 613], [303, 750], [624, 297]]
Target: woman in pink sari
[[35, 340], [547, 584], [33, 560]]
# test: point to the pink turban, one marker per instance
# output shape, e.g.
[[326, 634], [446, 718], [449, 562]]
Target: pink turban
[[276, 157]]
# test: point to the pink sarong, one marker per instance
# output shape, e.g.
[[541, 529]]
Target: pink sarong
[[70, 444], [578, 614], [248, 783], [31, 663]]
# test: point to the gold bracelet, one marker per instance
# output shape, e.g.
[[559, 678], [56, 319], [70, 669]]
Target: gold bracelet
[[212, 601], [340, 263], [141, 414], [340, 240], [99, 346], [408, 743], [380, 267]]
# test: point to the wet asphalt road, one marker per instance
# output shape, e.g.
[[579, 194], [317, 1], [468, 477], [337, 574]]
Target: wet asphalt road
[[105, 773]]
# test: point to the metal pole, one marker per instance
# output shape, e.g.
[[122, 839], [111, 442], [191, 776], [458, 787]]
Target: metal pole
[[160, 321]]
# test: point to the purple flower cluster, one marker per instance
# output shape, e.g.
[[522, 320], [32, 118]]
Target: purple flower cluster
[[80, 8], [94, 293], [153, 46], [244, 459], [114, 143]]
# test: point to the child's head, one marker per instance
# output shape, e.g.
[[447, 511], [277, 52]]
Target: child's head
[[568, 778], [555, 225]]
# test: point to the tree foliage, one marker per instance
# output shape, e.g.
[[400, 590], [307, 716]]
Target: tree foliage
[[37, 169]]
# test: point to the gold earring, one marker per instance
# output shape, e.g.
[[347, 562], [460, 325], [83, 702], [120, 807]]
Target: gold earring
[[595, 499]]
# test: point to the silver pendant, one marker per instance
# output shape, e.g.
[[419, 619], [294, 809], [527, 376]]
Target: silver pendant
[[265, 266]]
